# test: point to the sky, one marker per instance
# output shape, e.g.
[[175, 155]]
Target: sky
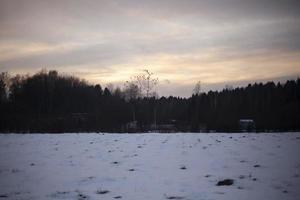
[[217, 42]]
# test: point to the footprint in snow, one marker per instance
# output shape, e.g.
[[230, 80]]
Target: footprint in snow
[[88, 179], [100, 191], [82, 196], [60, 194], [241, 177], [15, 170], [174, 197], [3, 196], [225, 182]]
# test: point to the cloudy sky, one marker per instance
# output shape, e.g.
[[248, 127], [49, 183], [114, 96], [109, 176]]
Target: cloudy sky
[[217, 42]]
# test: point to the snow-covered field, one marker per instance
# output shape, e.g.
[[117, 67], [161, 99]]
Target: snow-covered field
[[150, 166]]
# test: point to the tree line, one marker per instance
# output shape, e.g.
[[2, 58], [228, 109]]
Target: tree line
[[50, 102]]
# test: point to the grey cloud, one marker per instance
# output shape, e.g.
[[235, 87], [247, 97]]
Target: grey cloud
[[44, 19], [116, 32], [103, 54], [227, 46], [216, 10]]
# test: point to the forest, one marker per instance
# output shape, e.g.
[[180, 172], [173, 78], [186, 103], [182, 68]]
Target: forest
[[49, 102]]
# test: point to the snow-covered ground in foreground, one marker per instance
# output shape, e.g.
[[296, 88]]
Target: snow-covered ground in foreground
[[150, 166]]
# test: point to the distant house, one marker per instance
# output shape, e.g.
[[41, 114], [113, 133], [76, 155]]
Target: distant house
[[167, 127], [247, 125], [132, 126]]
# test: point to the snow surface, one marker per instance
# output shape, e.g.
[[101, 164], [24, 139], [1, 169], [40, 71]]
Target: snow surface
[[150, 166]]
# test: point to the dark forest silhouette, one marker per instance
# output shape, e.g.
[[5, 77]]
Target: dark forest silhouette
[[50, 102]]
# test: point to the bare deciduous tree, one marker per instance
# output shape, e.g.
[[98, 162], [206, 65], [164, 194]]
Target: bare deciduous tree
[[197, 88], [131, 91], [147, 83], [141, 85]]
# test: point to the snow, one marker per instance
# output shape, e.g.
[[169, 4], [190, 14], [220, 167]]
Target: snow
[[150, 166]]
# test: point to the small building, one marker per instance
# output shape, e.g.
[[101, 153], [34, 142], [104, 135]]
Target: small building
[[132, 126], [247, 125], [166, 128]]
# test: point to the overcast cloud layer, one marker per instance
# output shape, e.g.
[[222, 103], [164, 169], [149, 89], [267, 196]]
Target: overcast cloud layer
[[105, 41]]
